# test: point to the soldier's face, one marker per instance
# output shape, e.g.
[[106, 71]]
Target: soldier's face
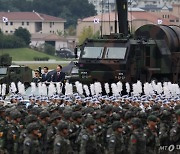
[[120, 130], [103, 119], [178, 120], [92, 127], [66, 132], [152, 123]]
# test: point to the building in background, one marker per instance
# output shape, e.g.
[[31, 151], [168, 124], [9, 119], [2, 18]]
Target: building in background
[[34, 22], [136, 18], [147, 5]]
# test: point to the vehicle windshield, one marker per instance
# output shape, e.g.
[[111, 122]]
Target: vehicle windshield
[[93, 52], [115, 52], [74, 70], [3, 70]]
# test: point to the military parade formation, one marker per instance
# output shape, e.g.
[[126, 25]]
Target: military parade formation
[[145, 120]]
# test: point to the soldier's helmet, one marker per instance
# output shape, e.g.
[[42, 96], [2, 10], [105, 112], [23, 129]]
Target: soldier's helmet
[[44, 114], [152, 118], [62, 125], [2, 109], [15, 114], [55, 116], [32, 126], [116, 125], [30, 119], [136, 122], [76, 115], [88, 122], [128, 115]]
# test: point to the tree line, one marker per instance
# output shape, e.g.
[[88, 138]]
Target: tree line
[[70, 10]]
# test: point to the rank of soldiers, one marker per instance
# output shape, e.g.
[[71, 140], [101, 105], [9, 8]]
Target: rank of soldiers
[[90, 125]]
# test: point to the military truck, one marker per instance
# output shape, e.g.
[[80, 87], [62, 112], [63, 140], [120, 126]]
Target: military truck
[[153, 53], [13, 73]]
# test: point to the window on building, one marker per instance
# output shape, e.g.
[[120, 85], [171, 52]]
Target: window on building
[[50, 24], [6, 23], [27, 23], [6, 31], [111, 28], [171, 20], [23, 23], [53, 23], [177, 20], [11, 23], [50, 31]]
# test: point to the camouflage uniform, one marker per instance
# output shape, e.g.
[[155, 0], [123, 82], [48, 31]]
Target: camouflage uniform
[[13, 133], [116, 143], [2, 131], [61, 143], [152, 140], [88, 144], [175, 131], [51, 131], [137, 140], [31, 143]]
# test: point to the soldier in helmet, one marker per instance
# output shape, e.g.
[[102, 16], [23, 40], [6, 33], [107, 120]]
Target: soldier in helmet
[[175, 131], [55, 119], [75, 129], [2, 129], [13, 132], [164, 128], [44, 121], [61, 143], [88, 144], [116, 143], [137, 143], [101, 130], [152, 140], [31, 144]]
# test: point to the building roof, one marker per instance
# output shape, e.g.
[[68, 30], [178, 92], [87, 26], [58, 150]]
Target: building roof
[[136, 15], [29, 16], [47, 37]]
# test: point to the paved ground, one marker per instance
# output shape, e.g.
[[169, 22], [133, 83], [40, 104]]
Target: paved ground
[[41, 62]]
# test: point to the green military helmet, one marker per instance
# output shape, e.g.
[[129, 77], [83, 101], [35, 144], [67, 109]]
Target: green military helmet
[[30, 119], [62, 125], [88, 122], [178, 112], [44, 114], [15, 114], [128, 115], [67, 114], [152, 118], [76, 115], [55, 116], [136, 122], [116, 125], [103, 114], [32, 126], [2, 109]]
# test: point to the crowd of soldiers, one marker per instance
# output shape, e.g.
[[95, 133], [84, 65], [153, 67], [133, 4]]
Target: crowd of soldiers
[[90, 125]]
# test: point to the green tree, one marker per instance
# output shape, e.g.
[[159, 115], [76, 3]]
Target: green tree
[[49, 49], [24, 34], [70, 10], [87, 32]]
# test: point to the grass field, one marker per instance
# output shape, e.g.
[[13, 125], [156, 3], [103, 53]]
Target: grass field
[[50, 66], [25, 54]]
